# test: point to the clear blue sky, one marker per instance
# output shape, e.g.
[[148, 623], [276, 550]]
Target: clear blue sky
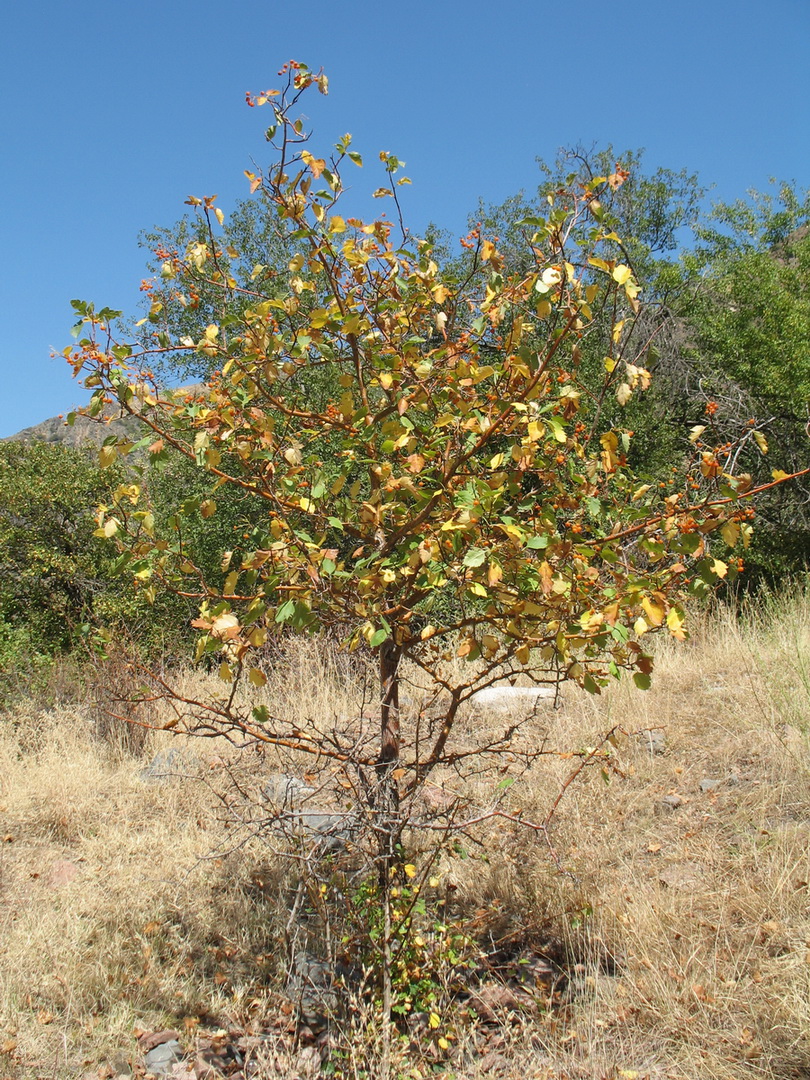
[[114, 112]]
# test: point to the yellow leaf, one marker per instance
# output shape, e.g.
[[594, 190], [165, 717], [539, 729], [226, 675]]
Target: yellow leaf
[[107, 455], [778, 474], [219, 214], [621, 274], [225, 672], [610, 364], [675, 621], [434, 1020], [487, 250], [730, 533], [719, 567], [337, 224], [410, 870], [496, 461], [623, 393], [258, 678], [654, 609], [640, 626], [761, 442]]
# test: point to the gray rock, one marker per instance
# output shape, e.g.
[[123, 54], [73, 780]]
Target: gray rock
[[670, 802], [159, 1061], [163, 766], [311, 987], [511, 698], [708, 785], [285, 791], [653, 739], [288, 795]]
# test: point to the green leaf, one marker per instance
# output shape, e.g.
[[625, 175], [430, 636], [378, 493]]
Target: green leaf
[[537, 543], [475, 557]]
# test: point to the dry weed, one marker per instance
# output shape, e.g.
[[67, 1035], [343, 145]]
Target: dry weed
[[678, 917]]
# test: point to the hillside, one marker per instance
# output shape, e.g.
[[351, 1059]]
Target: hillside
[[84, 431]]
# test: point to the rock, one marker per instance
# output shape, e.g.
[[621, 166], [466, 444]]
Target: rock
[[162, 767], [311, 987], [708, 785], [308, 1062], [511, 698], [287, 794], [670, 802], [160, 1060], [285, 791], [653, 739]]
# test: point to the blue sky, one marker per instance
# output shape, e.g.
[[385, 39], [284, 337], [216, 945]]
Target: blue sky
[[115, 112]]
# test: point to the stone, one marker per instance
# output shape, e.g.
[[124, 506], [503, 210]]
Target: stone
[[708, 785], [331, 830], [653, 739], [285, 791], [671, 802], [162, 767], [512, 698], [311, 987], [162, 1058]]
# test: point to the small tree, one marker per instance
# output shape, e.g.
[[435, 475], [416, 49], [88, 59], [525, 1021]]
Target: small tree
[[416, 442]]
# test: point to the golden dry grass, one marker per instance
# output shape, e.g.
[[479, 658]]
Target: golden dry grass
[[684, 929]]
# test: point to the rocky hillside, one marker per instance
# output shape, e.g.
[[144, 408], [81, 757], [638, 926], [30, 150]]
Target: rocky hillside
[[84, 431]]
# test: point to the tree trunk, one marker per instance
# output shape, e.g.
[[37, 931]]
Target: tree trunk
[[388, 824]]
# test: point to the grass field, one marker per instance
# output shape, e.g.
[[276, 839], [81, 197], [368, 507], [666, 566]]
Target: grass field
[[675, 924]]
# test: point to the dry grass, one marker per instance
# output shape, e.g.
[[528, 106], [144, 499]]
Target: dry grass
[[684, 930]]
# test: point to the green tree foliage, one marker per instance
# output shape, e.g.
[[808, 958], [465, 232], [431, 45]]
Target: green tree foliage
[[747, 348], [54, 574]]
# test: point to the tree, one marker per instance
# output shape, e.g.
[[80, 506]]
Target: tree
[[747, 350], [54, 575], [434, 476]]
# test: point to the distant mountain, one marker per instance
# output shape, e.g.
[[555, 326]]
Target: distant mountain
[[87, 432], [84, 432]]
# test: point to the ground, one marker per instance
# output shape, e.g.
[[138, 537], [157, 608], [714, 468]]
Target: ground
[[669, 939]]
